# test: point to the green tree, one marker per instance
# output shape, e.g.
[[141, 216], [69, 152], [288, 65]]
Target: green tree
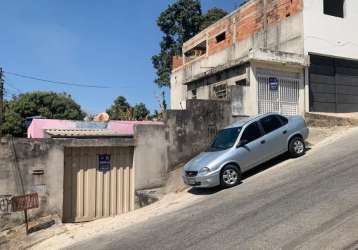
[[120, 109], [140, 112], [155, 116], [211, 17], [179, 22], [49, 105]]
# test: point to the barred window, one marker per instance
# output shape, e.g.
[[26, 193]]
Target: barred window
[[220, 91]]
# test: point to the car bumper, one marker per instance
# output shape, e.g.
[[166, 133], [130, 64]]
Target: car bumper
[[304, 132], [211, 180]]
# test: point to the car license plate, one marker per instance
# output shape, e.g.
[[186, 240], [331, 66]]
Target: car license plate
[[191, 181]]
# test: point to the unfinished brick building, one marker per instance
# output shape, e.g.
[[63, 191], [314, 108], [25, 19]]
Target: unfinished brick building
[[287, 56]]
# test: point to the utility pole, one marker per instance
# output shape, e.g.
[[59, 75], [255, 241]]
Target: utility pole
[[1, 100]]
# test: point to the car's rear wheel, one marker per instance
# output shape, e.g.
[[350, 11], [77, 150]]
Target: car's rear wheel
[[230, 176], [296, 147]]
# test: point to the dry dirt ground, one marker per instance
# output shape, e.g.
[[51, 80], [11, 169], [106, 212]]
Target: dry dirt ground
[[64, 235]]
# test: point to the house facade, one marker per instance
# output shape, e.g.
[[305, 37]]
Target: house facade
[[287, 56]]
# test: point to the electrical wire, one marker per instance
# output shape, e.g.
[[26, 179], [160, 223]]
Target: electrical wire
[[12, 85], [56, 82]]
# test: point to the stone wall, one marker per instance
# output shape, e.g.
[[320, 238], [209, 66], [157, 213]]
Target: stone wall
[[191, 131], [31, 166]]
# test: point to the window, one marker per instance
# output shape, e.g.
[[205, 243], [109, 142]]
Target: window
[[225, 139], [334, 8], [193, 94], [270, 123], [283, 120], [220, 91], [251, 133], [242, 82], [197, 51], [221, 37]]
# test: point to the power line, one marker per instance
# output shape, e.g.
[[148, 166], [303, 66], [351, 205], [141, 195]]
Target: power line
[[56, 82], [12, 85]]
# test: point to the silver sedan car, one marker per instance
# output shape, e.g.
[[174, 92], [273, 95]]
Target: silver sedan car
[[244, 145]]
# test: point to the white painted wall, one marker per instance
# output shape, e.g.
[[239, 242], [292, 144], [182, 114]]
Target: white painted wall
[[177, 91], [329, 35]]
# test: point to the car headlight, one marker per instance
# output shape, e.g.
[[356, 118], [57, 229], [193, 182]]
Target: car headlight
[[204, 171]]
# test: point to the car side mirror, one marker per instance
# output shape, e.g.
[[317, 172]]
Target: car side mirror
[[242, 143]]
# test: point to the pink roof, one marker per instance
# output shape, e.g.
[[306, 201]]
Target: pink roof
[[38, 126], [127, 127]]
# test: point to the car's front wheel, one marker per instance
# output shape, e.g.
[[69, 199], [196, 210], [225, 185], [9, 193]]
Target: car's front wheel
[[296, 147], [230, 176]]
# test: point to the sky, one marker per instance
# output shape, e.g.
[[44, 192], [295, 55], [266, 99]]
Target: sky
[[101, 42]]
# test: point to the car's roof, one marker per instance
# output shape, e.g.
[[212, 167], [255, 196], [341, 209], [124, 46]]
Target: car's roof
[[244, 121]]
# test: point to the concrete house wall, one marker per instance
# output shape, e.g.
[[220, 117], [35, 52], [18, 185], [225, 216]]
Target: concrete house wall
[[329, 35], [331, 48], [20, 158], [190, 131], [270, 36], [247, 34], [283, 69], [150, 156]]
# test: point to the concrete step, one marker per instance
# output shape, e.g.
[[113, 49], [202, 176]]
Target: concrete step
[[330, 119]]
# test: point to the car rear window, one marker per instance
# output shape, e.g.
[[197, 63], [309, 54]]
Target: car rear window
[[283, 119], [270, 123]]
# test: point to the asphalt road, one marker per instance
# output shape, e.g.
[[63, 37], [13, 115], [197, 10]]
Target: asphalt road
[[305, 203]]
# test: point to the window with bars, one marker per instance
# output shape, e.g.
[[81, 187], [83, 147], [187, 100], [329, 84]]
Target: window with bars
[[220, 91]]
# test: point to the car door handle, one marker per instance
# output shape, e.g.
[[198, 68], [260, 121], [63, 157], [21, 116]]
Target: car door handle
[[263, 142], [284, 132]]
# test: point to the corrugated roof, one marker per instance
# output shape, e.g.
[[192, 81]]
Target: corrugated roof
[[68, 133]]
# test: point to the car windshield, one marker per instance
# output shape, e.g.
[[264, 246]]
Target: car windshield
[[225, 139]]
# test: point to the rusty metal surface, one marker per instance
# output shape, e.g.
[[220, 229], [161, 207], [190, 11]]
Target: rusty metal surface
[[5, 204], [23, 202]]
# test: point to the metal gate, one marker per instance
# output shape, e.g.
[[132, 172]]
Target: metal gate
[[282, 98], [333, 84], [96, 187]]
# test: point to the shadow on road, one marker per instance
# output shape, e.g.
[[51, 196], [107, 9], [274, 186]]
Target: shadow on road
[[205, 191], [264, 166]]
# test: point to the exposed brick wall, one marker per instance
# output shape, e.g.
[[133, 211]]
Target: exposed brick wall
[[245, 22], [250, 18], [222, 26], [280, 9], [177, 62]]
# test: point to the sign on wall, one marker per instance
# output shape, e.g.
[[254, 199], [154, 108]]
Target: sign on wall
[[273, 83], [104, 163], [24, 202]]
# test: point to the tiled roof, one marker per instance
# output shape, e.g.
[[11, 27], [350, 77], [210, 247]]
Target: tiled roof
[[68, 133]]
